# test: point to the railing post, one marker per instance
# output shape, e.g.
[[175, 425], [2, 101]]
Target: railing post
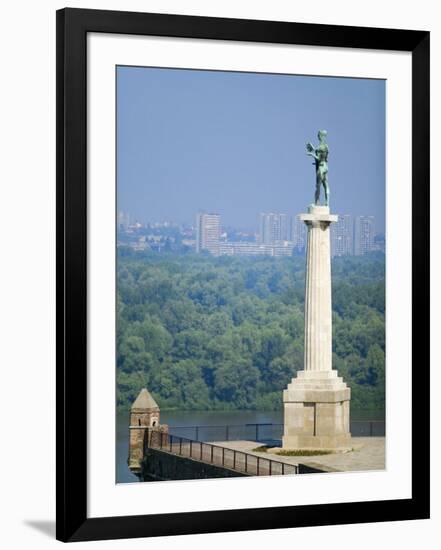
[[246, 463], [227, 432], [201, 450], [197, 433], [258, 465], [191, 444], [212, 451], [234, 460], [223, 456], [180, 445], [283, 468], [271, 468], [160, 442]]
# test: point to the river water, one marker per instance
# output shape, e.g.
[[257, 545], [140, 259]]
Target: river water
[[180, 423]]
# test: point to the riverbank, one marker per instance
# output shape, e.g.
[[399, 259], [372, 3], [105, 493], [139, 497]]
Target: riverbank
[[185, 420]]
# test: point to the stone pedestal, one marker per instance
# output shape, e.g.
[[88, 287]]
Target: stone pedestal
[[316, 403]]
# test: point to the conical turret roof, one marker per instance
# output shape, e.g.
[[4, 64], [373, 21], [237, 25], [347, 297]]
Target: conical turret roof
[[144, 401]]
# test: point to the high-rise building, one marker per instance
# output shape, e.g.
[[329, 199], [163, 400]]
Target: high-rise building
[[298, 233], [363, 235], [273, 228], [341, 236], [123, 220], [284, 227], [208, 233], [380, 242], [255, 249]]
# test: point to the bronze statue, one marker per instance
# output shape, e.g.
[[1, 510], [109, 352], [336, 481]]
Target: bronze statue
[[320, 154]]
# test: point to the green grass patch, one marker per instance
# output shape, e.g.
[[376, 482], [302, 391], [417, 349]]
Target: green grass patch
[[303, 452], [261, 449]]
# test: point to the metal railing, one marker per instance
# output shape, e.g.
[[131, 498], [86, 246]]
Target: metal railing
[[368, 428], [230, 432], [232, 459], [264, 432]]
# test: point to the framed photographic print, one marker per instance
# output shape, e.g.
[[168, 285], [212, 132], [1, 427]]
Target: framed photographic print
[[242, 274]]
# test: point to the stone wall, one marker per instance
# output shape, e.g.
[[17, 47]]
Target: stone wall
[[137, 435], [159, 465], [139, 417], [141, 437]]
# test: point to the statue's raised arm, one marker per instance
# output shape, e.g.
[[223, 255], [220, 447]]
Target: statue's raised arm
[[320, 155], [311, 150]]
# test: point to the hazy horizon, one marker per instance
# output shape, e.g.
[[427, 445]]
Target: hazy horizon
[[234, 144]]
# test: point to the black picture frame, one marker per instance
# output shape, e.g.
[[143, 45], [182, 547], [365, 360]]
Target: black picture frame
[[71, 428]]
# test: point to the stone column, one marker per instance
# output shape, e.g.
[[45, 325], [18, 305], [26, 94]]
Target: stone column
[[318, 310], [316, 402]]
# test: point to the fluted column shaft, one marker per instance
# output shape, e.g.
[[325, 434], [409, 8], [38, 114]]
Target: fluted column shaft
[[318, 306]]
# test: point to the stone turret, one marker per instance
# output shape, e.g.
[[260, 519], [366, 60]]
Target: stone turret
[[144, 416], [144, 411]]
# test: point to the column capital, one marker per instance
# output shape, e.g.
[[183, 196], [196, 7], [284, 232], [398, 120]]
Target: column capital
[[318, 213]]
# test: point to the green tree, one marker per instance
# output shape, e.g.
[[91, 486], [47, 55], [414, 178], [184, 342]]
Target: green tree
[[205, 332]]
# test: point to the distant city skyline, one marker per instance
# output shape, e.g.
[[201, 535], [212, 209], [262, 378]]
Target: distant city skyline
[[234, 143], [278, 234], [127, 219]]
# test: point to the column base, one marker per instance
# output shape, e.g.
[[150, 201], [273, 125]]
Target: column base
[[338, 442], [316, 407]]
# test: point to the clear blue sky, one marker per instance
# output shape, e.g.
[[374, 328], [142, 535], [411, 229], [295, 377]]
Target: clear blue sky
[[234, 143]]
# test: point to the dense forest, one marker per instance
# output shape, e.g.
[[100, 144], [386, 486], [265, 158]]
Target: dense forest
[[227, 333]]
